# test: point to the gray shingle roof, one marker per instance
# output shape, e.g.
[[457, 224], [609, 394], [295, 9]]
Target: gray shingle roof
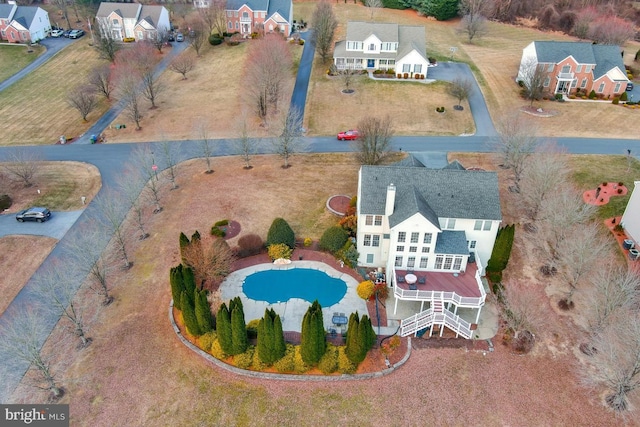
[[607, 58], [412, 37], [452, 242], [604, 57], [25, 14], [151, 14], [450, 193], [125, 10], [412, 201], [283, 7], [5, 10], [408, 37], [359, 31], [253, 4]]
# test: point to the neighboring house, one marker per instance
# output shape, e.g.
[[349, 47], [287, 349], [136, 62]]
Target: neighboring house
[[438, 225], [201, 4], [132, 20], [22, 24], [383, 46], [252, 16], [570, 66], [631, 218]]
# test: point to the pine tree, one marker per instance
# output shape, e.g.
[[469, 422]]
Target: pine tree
[[189, 315], [280, 232], [223, 324], [279, 346], [184, 242], [353, 349], [313, 342], [177, 285], [203, 312], [239, 340], [189, 282], [371, 334], [321, 336], [266, 338]]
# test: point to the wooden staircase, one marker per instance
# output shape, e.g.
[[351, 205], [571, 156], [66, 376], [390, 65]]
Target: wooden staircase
[[436, 314]]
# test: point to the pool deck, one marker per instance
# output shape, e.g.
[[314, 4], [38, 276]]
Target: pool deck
[[292, 311]]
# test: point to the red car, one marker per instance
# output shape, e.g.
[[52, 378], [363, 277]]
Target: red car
[[348, 135]]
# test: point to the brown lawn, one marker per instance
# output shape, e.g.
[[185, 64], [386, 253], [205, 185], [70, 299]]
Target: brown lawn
[[136, 372]]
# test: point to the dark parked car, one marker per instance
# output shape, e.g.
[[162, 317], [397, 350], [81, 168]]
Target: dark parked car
[[34, 214], [629, 87], [76, 34], [171, 37], [66, 33]]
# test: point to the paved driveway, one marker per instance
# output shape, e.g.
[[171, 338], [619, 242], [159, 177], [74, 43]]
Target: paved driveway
[[56, 227]]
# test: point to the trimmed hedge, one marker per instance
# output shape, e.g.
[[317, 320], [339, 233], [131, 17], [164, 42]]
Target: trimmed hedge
[[281, 232], [333, 239]]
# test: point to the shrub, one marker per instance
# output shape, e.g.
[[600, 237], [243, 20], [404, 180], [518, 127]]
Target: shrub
[[218, 232], [620, 183], [243, 360], [313, 342], [349, 223], [365, 289], [281, 232], [604, 184], [307, 242], [250, 244], [279, 251], [254, 35], [389, 71], [416, 76], [5, 202], [390, 346], [287, 363], [206, 341], [344, 364], [215, 40], [333, 239], [615, 101], [592, 94], [349, 254], [558, 96], [382, 291], [405, 75], [256, 363], [394, 4], [221, 223], [301, 42], [252, 329], [521, 83], [299, 367], [216, 350], [399, 76], [624, 96], [619, 190], [329, 361], [501, 252]]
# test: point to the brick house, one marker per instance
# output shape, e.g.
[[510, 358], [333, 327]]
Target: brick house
[[23, 24], [249, 16], [576, 65]]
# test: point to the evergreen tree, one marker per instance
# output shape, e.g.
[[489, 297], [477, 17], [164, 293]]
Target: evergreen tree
[[189, 282], [184, 242], [442, 10], [371, 334], [177, 285], [353, 348], [223, 324], [313, 342], [239, 340], [280, 232], [266, 338], [189, 315], [279, 346], [203, 312], [501, 249]]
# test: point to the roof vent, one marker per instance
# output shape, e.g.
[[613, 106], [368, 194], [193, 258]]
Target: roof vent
[[452, 196], [439, 194]]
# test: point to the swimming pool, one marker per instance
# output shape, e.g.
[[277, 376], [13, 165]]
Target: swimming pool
[[275, 286]]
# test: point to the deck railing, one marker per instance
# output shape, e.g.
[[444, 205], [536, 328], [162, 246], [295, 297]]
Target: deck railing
[[428, 318], [448, 297]]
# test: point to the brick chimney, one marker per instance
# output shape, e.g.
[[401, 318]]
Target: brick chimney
[[391, 199]]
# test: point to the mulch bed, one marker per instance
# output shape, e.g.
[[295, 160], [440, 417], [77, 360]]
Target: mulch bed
[[339, 204], [603, 193], [542, 113], [620, 237], [232, 229], [436, 342]]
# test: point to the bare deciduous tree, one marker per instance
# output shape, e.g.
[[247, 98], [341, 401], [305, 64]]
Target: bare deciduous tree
[[515, 144], [245, 146], [198, 35], [616, 363], [169, 152], [138, 64], [143, 161], [160, 38], [129, 93], [85, 252], [347, 75], [57, 287], [531, 78], [269, 66], [106, 45], [214, 16], [373, 6], [101, 79], [520, 310], [22, 164], [206, 145], [83, 98], [210, 260], [182, 64], [474, 21], [112, 209], [62, 6], [288, 142], [374, 142], [324, 23], [132, 184], [610, 29], [21, 338], [460, 89]]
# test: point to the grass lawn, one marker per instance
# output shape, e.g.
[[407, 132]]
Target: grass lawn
[[35, 111], [14, 58]]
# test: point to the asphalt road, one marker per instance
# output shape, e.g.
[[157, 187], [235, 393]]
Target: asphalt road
[[55, 227]]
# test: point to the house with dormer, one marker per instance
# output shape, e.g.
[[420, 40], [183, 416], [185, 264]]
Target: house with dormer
[[23, 24], [254, 16], [432, 230], [132, 20], [383, 46], [572, 66]]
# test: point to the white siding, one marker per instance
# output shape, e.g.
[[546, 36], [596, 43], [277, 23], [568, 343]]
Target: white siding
[[631, 217]]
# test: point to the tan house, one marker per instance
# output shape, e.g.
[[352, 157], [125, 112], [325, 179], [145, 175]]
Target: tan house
[[573, 66]]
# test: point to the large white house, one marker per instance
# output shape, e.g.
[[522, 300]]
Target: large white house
[[383, 46], [21, 24], [132, 20], [432, 230], [631, 217]]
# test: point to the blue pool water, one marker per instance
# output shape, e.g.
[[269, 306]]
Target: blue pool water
[[275, 286]]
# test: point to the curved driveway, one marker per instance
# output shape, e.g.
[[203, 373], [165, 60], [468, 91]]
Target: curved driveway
[[56, 227]]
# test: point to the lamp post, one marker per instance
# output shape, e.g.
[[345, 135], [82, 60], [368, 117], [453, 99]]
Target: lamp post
[[154, 167]]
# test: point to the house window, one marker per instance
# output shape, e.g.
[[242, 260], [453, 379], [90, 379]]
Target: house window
[[472, 244], [457, 263], [550, 68], [237, 25], [402, 237], [478, 225], [382, 62], [423, 262], [115, 23], [601, 88], [583, 84], [230, 25], [426, 249], [417, 68], [487, 226], [451, 224], [579, 68], [368, 220], [427, 238], [392, 62], [372, 46], [406, 68], [447, 263], [439, 259], [574, 83], [140, 35], [413, 249], [414, 237], [398, 261], [245, 14], [587, 68], [229, 13], [235, 13], [369, 258], [566, 69], [411, 262], [617, 88], [378, 220], [376, 240], [257, 15], [367, 240], [399, 248], [546, 82]]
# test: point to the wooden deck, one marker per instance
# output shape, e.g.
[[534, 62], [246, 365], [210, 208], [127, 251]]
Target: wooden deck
[[464, 284]]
